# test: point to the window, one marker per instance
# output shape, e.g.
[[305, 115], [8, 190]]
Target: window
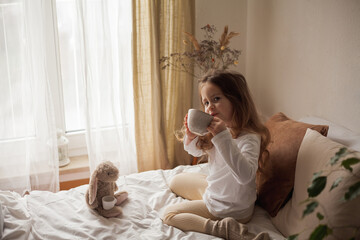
[[70, 109], [69, 48], [68, 89]]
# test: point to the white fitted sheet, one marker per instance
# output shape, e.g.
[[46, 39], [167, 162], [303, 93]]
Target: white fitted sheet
[[65, 215]]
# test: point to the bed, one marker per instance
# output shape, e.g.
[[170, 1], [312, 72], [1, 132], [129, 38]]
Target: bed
[[65, 215]]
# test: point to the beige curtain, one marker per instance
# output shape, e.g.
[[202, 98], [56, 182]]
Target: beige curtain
[[162, 98]]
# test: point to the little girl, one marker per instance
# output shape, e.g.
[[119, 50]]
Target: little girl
[[225, 198]]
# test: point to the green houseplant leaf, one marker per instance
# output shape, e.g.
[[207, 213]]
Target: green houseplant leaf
[[320, 232], [310, 207], [342, 152], [318, 184], [353, 191], [348, 162], [293, 237], [320, 216], [336, 183]]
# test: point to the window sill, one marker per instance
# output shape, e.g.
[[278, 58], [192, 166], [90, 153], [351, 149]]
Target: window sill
[[76, 173]]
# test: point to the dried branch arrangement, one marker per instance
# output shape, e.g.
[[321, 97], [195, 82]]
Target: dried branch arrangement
[[205, 55]]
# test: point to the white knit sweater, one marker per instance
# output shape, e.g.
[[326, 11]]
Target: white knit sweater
[[231, 190]]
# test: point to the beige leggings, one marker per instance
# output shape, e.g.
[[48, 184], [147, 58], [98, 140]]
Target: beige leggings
[[189, 215]]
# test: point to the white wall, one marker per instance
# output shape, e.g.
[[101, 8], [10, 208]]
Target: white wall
[[299, 57], [303, 58]]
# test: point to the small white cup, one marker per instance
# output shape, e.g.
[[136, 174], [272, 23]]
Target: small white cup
[[108, 202], [198, 121]]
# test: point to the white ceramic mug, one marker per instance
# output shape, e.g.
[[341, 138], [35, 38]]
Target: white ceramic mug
[[198, 121], [108, 202]]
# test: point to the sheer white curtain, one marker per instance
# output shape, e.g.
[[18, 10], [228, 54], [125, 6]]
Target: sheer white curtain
[[28, 150], [105, 36]]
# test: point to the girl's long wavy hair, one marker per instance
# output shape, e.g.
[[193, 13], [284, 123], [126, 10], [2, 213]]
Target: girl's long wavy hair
[[245, 117]]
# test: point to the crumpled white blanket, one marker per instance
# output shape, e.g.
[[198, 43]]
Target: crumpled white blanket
[[65, 215]]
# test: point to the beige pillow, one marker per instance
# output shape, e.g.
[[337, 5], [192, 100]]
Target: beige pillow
[[314, 155]]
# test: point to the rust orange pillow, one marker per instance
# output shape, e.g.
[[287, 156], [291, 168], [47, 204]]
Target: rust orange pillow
[[276, 171]]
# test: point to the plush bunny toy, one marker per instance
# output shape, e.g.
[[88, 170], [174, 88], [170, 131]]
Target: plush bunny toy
[[103, 183]]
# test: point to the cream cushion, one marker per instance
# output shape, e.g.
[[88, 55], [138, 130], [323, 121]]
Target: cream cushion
[[314, 155]]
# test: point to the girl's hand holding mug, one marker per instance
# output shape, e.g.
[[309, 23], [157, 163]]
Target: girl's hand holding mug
[[216, 126], [190, 136]]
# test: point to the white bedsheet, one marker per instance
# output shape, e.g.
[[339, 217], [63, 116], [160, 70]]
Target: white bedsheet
[[65, 215]]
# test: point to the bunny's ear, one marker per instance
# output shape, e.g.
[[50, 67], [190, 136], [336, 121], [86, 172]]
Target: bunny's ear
[[93, 188]]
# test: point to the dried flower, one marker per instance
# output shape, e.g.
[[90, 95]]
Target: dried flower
[[206, 54]]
